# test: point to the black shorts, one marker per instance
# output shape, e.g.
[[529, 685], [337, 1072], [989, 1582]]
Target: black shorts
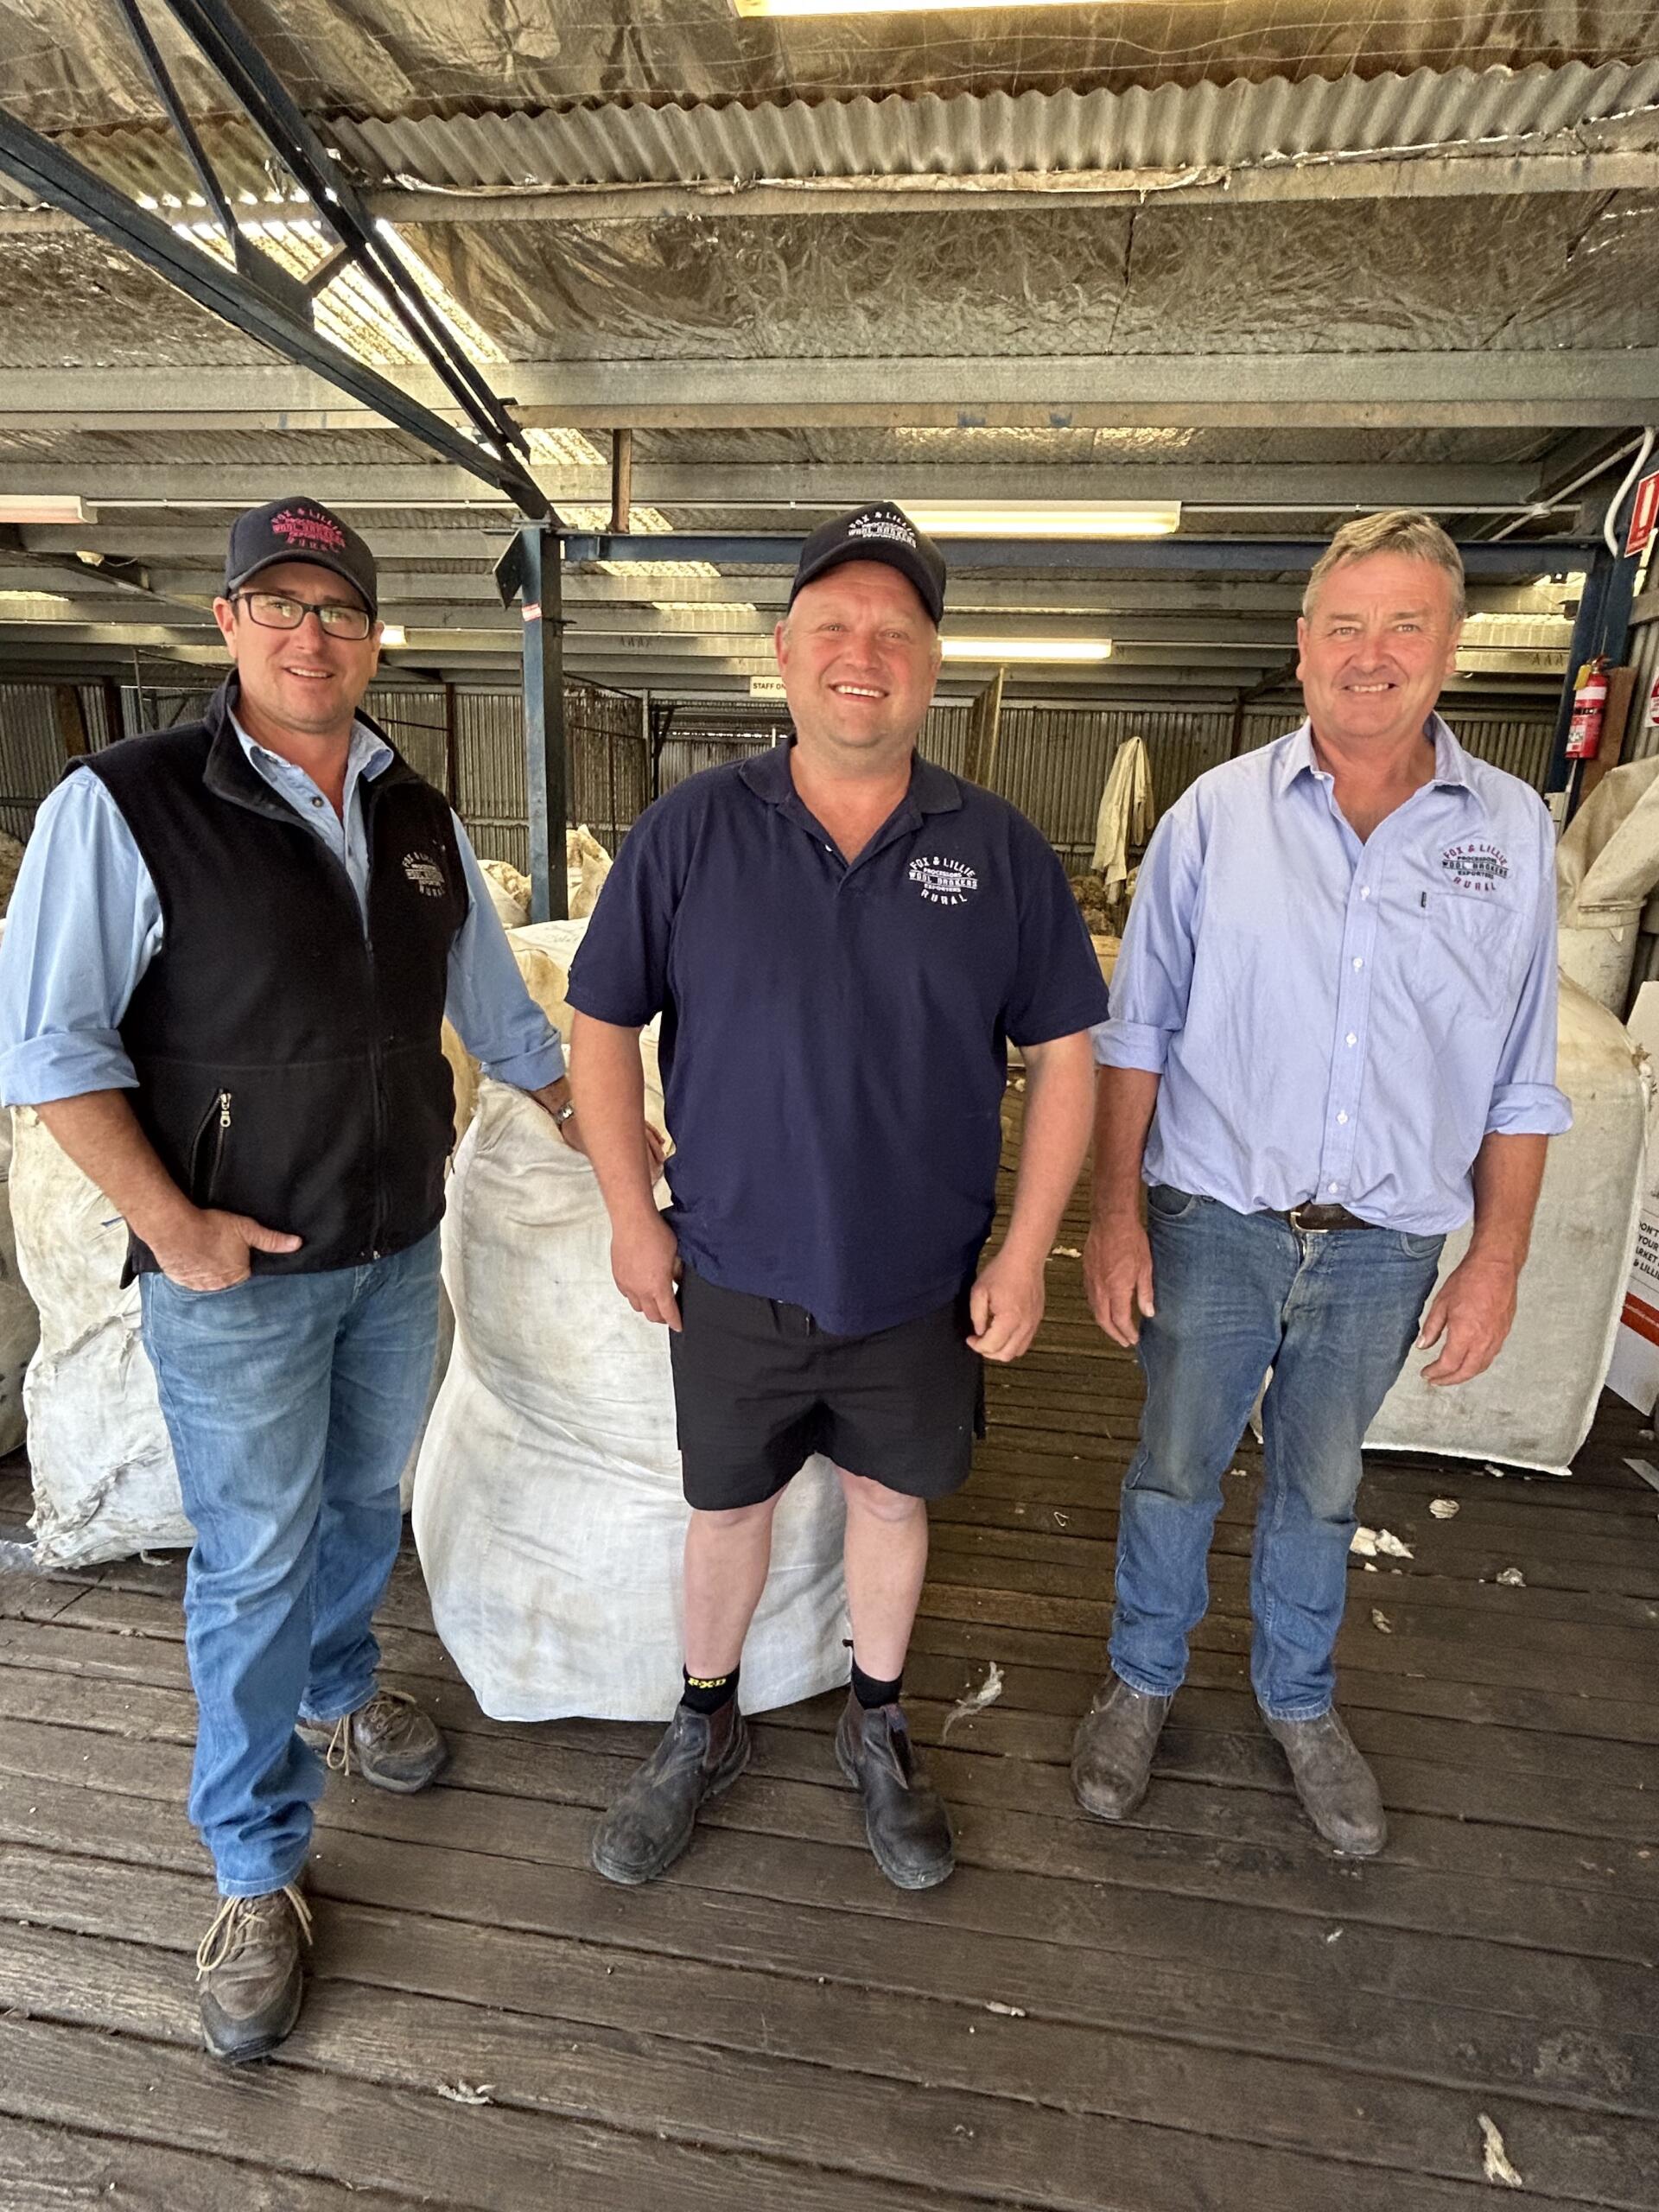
[[759, 1388]]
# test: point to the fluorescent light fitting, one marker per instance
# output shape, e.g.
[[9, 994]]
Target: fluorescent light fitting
[[997, 649], [884, 7], [1045, 518], [44, 507], [393, 634]]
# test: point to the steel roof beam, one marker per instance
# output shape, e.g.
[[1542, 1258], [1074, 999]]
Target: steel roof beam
[[1573, 388], [43, 167]]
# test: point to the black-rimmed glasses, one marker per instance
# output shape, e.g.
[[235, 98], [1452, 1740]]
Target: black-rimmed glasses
[[274, 610]]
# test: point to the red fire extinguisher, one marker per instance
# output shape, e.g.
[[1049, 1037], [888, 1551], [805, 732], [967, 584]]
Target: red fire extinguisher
[[1589, 705]]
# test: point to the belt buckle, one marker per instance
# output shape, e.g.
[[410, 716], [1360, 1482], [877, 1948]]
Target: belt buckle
[[1305, 1227]]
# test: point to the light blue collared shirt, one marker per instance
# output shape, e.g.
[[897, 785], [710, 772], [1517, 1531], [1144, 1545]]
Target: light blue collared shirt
[[1335, 1021], [85, 922]]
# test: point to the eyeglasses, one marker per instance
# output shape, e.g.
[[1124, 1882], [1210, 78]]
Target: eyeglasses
[[275, 611]]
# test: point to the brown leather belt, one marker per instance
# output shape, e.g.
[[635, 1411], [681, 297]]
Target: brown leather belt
[[1307, 1218]]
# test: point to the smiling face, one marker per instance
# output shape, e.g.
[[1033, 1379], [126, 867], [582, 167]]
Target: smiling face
[[1380, 642], [858, 656], [306, 681]]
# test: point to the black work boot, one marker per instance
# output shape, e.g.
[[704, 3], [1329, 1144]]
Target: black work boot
[[250, 1973], [701, 1755], [1111, 1753], [904, 1815], [1337, 1789], [388, 1740]]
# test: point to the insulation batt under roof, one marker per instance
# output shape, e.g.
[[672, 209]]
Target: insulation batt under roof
[[1164, 280], [64, 65]]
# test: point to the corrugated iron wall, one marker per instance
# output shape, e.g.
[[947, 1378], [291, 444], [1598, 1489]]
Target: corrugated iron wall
[[1052, 761]]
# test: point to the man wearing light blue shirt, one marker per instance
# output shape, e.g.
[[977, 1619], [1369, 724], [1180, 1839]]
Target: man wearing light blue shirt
[[1333, 1038], [226, 965]]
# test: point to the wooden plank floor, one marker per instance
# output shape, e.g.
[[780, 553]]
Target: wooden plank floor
[[1201, 2011]]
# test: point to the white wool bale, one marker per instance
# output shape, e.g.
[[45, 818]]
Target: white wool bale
[[1534, 1406], [587, 864], [509, 892], [20, 1324], [548, 1506], [104, 1477]]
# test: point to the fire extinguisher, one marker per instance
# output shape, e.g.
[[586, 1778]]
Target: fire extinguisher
[[1589, 705]]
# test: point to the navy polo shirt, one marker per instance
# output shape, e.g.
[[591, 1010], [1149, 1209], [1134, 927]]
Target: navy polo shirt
[[834, 1037]]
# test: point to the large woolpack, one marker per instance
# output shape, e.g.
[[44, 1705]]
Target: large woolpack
[[548, 1506]]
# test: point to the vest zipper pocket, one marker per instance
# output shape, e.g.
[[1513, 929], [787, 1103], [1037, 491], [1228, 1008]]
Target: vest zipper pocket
[[215, 1131]]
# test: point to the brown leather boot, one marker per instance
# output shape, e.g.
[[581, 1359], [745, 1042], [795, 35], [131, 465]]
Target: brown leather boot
[[1111, 1753], [1337, 1789], [250, 1973], [905, 1819], [389, 1741], [650, 1824]]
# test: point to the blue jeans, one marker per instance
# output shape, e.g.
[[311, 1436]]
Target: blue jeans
[[292, 1402], [1333, 1313]]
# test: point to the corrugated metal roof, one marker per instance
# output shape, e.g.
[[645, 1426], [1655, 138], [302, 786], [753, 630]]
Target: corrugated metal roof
[[1171, 127]]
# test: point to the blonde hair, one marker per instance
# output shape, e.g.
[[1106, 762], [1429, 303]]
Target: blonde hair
[[1401, 529]]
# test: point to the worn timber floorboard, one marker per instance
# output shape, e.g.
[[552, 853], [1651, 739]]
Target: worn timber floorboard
[[1200, 2011]]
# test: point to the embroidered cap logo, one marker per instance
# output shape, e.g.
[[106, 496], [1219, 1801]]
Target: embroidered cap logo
[[304, 526]]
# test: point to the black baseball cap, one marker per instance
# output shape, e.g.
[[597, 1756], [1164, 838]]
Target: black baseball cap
[[883, 533], [299, 529]]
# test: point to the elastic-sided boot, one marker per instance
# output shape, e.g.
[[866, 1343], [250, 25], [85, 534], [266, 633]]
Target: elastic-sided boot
[[651, 1823], [905, 1819], [250, 1974], [1337, 1789], [1111, 1753]]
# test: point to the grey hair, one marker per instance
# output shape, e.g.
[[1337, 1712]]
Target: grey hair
[[1401, 529]]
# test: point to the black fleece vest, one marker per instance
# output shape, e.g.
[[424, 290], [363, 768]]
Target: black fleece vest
[[289, 1065]]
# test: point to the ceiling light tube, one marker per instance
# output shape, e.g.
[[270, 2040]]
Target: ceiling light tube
[[1061, 519], [1053, 649], [886, 6], [393, 634], [43, 507]]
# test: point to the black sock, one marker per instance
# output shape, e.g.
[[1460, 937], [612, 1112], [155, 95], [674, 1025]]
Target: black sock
[[708, 1693], [870, 1692]]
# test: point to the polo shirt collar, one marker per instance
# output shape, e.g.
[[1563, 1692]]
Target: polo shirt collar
[[1451, 761], [933, 790]]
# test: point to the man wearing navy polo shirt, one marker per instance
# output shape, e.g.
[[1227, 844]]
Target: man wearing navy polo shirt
[[841, 939]]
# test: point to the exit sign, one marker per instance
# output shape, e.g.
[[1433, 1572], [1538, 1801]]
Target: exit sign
[[1643, 514]]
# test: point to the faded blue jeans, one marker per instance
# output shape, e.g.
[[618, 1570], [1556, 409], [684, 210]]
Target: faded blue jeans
[[1334, 1314], [292, 1402]]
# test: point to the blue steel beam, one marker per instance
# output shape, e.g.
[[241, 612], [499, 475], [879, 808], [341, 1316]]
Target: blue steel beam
[[1143, 556]]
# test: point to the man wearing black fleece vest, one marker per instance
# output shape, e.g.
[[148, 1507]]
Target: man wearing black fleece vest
[[227, 965]]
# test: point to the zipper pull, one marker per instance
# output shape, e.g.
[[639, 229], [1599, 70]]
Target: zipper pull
[[224, 1110]]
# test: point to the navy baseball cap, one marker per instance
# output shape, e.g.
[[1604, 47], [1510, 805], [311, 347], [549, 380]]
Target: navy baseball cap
[[883, 533], [299, 529]]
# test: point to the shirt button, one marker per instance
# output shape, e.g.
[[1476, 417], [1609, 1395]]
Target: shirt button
[[1342, 1119], [1359, 964], [1332, 1188], [316, 802], [1366, 892], [1350, 1039]]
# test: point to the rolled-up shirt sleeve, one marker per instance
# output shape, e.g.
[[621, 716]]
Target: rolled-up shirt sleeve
[[497, 1020], [83, 925], [1525, 1099], [1154, 975]]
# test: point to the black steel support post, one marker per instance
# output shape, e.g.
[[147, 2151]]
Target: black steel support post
[[544, 778]]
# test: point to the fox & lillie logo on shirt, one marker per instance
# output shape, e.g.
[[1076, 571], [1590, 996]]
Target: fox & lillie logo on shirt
[[424, 874], [943, 882], [1475, 867]]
